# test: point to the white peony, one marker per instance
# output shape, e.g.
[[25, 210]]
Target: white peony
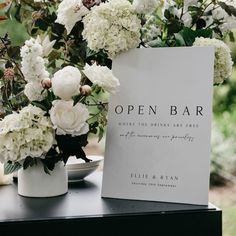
[[23, 134], [34, 91], [69, 119], [113, 27], [103, 77], [69, 12], [223, 61], [146, 6], [66, 82]]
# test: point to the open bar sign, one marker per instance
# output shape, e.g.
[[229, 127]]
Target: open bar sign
[[159, 126]]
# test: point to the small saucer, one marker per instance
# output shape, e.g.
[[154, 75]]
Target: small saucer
[[78, 169]]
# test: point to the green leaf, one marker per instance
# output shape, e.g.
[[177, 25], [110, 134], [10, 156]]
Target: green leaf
[[17, 14], [167, 14], [90, 53], [1, 74], [29, 161], [231, 37], [8, 64], [200, 24], [100, 134], [174, 26], [48, 165], [179, 40], [14, 52], [155, 43], [41, 24], [45, 168], [195, 9], [190, 35], [83, 140], [231, 10], [11, 167], [40, 105]]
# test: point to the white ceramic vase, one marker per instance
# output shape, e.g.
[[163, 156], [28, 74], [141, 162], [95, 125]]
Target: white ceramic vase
[[34, 182]]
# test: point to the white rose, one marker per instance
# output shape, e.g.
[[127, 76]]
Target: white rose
[[103, 77], [69, 119], [34, 91], [66, 82]]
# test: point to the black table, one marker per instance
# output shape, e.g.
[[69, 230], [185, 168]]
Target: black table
[[82, 211]]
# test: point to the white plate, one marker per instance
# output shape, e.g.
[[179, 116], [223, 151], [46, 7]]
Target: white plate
[[78, 169]]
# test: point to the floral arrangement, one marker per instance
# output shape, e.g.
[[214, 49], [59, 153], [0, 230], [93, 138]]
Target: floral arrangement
[[55, 88]]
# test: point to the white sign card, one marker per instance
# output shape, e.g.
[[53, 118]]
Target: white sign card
[[159, 126]]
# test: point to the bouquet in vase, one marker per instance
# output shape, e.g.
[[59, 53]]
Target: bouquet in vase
[[55, 87]]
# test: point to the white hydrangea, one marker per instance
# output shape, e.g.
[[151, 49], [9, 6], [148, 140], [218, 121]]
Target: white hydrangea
[[23, 134], [103, 77], [69, 119], [112, 26], [34, 91], [69, 12], [146, 6], [223, 61], [33, 64]]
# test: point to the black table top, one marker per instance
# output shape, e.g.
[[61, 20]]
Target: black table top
[[83, 200]]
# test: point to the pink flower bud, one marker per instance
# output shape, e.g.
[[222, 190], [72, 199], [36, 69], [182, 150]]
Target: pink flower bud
[[46, 83], [90, 3], [85, 90], [9, 74]]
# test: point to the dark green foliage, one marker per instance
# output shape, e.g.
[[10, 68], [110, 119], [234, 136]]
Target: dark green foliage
[[10, 167]]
